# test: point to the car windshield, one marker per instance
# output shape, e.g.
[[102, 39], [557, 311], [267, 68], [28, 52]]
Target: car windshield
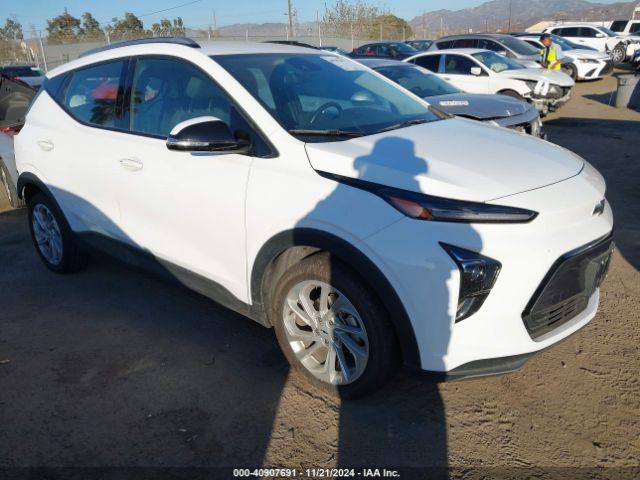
[[497, 63], [322, 97], [519, 46], [565, 45], [418, 80], [607, 31], [22, 72]]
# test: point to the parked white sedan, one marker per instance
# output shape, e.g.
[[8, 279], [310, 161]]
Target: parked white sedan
[[483, 71]]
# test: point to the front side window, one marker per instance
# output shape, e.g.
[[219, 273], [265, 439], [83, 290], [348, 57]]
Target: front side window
[[418, 81], [618, 25], [517, 45], [166, 92], [458, 65], [495, 62], [570, 32], [322, 93], [635, 28], [93, 93], [487, 44], [587, 32]]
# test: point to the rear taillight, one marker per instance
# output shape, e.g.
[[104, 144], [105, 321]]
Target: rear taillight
[[11, 131]]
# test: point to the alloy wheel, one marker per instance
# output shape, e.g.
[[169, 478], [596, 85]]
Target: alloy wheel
[[325, 332], [47, 234]]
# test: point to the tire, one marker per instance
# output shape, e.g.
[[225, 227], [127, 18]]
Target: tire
[[9, 188], [618, 54], [52, 236], [571, 71], [512, 94], [346, 292]]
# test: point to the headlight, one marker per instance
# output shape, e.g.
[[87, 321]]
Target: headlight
[[478, 274], [438, 209], [587, 60]]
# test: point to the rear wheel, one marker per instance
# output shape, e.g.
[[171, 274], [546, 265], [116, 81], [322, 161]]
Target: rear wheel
[[333, 329], [52, 237], [571, 71], [9, 188]]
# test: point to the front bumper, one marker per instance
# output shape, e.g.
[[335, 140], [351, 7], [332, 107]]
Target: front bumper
[[527, 122], [547, 104], [595, 71], [428, 281]]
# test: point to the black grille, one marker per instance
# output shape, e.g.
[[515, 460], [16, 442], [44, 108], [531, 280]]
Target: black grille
[[608, 68], [566, 289]]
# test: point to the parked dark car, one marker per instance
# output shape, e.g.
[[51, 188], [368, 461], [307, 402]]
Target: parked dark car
[[496, 109], [422, 45], [29, 74], [391, 50]]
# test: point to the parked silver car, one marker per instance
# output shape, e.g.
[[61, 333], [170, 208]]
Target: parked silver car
[[502, 44]]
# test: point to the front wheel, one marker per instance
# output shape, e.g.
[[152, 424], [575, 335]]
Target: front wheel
[[618, 54], [333, 329], [52, 237]]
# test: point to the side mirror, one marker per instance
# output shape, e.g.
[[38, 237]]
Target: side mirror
[[504, 53], [600, 35], [205, 134], [477, 71]]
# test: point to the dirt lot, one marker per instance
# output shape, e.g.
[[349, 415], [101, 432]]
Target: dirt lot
[[115, 368]]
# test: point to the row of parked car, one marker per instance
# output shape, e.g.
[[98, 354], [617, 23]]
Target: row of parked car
[[322, 197]]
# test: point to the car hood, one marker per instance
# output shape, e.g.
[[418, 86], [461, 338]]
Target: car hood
[[554, 77], [479, 106], [583, 53], [15, 98], [491, 162]]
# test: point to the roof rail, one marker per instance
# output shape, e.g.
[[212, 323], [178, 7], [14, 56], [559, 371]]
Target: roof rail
[[187, 42]]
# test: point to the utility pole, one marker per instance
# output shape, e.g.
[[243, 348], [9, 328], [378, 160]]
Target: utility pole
[[509, 27], [291, 30], [215, 23], [424, 27], [319, 30], [441, 27]]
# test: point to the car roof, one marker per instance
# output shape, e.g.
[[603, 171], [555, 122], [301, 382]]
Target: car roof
[[19, 65], [496, 36], [379, 43], [381, 62], [465, 51], [574, 24], [205, 48]]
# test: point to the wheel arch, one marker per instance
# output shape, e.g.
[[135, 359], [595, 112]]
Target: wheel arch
[[289, 247]]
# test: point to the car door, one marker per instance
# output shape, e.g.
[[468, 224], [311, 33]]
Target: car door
[[593, 38], [185, 209], [76, 141], [457, 70]]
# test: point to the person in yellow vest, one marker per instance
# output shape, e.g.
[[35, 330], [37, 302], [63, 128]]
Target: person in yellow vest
[[551, 55]]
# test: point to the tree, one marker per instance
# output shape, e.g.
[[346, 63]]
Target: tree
[[350, 17], [390, 27], [63, 28], [12, 30], [168, 28], [90, 29], [128, 28]]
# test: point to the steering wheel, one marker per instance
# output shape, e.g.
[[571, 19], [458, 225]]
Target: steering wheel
[[324, 107]]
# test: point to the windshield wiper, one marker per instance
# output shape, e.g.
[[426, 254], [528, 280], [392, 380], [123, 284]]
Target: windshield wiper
[[332, 132], [408, 123]]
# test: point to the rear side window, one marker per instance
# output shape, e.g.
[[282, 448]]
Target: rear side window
[[92, 95], [487, 44], [430, 62], [458, 65], [466, 43], [445, 45], [568, 32], [618, 25], [635, 28]]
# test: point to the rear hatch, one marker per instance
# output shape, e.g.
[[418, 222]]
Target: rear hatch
[[15, 98]]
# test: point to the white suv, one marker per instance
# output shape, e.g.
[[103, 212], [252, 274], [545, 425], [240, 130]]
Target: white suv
[[314, 196], [601, 38]]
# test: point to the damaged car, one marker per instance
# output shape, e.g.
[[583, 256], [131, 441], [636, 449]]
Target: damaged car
[[483, 71], [498, 110]]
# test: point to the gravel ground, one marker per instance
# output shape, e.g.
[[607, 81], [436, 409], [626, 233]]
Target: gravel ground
[[115, 368]]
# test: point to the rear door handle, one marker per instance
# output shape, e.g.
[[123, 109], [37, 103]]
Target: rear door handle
[[131, 164], [46, 145]]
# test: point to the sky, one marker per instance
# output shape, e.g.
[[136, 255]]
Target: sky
[[199, 13]]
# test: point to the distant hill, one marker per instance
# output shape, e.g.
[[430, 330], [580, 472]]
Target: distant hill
[[494, 15]]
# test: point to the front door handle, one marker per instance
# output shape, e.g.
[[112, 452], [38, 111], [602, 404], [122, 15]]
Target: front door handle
[[45, 144], [131, 164]]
